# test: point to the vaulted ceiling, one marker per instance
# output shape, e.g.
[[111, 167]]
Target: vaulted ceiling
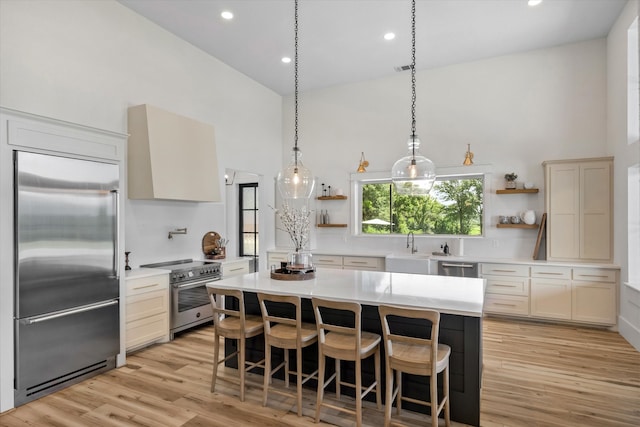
[[341, 41]]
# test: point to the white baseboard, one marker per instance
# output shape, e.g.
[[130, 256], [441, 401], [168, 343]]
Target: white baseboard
[[629, 332]]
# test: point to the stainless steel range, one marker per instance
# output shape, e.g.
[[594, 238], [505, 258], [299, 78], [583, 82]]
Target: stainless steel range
[[190, 304]]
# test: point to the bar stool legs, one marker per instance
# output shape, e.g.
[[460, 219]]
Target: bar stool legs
[[417, 356], [349, 344], [233, 324], [288, 333]]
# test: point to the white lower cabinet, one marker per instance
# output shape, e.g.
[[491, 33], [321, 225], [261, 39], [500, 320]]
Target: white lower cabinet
[[334, 261], [578, 294], [363, 263], [551, 298], [147, 310], [235, 267], [551, 292], [594, 296], [275, 258], [328, 261], [507, 290]]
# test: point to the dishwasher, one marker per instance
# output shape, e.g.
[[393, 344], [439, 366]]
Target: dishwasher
[[458, 269]]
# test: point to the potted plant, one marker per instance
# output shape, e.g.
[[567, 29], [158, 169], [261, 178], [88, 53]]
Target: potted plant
[[510, 179]]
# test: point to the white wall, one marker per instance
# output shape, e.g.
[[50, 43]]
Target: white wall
[[86, 62], [627, 155], [516, 111]]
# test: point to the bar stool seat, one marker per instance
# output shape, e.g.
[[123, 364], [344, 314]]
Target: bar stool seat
[[345, 343], [236, 325], [288, 333], [417, 356]]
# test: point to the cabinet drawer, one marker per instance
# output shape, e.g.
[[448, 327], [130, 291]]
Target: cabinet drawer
[[275, 258], [507, 285], [149, 329], [329, 260], [147, 284], [594, 275], [368, 263], [507, 304], [147, 304], [505, 270], [235, 269], [550, 272]]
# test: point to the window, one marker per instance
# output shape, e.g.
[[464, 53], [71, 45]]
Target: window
[[455, 206], [248, 219]]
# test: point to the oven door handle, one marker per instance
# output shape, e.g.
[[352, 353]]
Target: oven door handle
[[195, 285]]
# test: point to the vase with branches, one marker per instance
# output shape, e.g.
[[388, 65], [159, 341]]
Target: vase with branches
[[296, 222]]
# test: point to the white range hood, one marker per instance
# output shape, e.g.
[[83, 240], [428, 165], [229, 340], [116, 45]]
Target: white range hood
[[171, 157]]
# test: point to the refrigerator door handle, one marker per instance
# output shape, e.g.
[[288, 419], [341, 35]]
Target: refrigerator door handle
[[38, 319], [116, 237]]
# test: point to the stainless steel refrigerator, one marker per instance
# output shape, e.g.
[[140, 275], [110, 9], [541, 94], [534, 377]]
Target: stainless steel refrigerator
[[66, 272]]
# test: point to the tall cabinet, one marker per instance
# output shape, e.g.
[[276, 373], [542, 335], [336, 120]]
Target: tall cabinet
[[578, 202]]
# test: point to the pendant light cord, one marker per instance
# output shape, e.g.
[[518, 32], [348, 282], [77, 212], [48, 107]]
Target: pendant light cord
[[295, 78], [413, 77]]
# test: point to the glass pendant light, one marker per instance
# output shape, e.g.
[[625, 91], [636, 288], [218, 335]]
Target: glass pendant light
[[295, 180], [413, 174]]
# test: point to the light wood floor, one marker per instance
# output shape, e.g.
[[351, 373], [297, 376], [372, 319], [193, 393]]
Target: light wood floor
[[535, 374]]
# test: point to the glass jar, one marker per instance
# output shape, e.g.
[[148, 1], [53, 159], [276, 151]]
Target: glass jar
[[300, 260]]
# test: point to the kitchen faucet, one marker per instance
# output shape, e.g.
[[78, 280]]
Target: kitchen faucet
[[177, 231], [413, 247]]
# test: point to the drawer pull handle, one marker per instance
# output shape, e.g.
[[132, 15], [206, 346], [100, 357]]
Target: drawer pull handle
[[504, 271], [550, 274], [237, 269], [146, 286], [326, 260], [594, 275], [358, 262], [503, 286], [505, 305]]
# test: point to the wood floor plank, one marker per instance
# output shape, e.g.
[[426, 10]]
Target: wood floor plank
[[534, 374]]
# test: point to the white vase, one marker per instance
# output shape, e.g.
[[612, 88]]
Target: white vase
[[528, 217]]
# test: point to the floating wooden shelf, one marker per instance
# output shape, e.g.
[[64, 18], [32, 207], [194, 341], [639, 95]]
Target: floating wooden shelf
[[517, 191], [332, 225], [331, 197], [517, 226]]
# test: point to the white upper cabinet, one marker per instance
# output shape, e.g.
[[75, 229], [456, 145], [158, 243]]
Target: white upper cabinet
[[578, 201], [171, 157]]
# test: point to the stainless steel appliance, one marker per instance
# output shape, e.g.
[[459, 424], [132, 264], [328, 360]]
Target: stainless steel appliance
[[190, 304], [458, 269], [66, 311]]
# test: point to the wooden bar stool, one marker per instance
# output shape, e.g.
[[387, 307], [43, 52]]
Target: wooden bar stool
[[345, 343], [417, 356], [288, 333], [233, 324]]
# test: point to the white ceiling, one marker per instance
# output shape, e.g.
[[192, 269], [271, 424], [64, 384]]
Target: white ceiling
[[340, 41]]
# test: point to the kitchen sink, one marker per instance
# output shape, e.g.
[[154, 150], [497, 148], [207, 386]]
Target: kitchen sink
[[408, 263]]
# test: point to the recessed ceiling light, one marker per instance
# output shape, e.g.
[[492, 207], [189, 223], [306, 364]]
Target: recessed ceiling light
[[534, 2], [389, 36], [286, 59], [227, 15]]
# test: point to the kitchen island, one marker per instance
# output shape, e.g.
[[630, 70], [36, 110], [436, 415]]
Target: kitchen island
[[459, 300]]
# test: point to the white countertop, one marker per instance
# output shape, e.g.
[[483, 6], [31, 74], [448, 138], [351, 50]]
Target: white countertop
[[452, 295]]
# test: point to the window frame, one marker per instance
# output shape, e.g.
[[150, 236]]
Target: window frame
[[359, 179]]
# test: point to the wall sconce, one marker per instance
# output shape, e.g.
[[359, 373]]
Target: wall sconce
[[468, 157], [363, 164]]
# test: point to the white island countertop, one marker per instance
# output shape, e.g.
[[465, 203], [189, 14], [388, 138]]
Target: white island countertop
[[452, 295]]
